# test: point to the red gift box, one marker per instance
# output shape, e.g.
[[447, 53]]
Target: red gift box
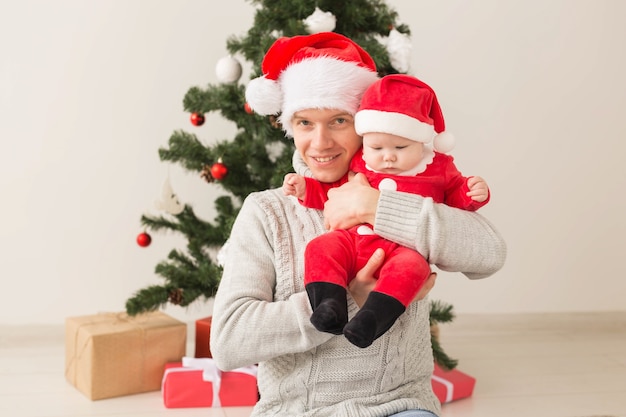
[[203, 332], [197, 382], [451, 385]]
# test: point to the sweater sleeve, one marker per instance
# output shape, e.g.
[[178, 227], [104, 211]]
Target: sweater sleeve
[[248, 324], [454, 240]]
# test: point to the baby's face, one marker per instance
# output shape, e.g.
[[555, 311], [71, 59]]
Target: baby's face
[[391, 154]]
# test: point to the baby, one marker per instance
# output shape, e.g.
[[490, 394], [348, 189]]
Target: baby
[[403, 133]]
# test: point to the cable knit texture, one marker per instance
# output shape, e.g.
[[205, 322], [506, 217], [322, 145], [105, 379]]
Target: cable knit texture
[[261, 315]]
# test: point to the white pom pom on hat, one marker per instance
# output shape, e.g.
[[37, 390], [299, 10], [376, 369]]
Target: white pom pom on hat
[[323, 70], [264, 96], [403, 105], [444, 142]]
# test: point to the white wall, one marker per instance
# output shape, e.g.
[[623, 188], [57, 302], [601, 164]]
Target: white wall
[[89, 91]]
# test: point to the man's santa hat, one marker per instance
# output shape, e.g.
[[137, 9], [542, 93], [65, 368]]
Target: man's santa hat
[[402, 105], [321, 71]]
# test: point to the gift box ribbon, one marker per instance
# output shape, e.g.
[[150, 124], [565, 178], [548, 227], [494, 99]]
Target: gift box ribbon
[[449, 387], [210, 373]]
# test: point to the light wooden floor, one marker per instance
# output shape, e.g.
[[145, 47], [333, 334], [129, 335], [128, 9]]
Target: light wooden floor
[[549, 365]]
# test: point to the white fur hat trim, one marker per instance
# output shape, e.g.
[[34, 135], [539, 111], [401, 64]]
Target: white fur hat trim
[[398, 124], [314, 83]]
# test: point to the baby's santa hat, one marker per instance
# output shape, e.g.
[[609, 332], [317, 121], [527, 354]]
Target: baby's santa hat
[[321, 71], [402, 105]]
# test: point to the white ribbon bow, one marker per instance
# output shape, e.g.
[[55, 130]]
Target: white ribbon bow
[[449, 387], [211, 373]]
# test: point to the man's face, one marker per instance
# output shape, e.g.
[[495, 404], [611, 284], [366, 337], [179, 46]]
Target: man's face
[[326, 141]]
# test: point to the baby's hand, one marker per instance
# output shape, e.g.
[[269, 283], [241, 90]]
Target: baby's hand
[[295, 185], [478, 189]]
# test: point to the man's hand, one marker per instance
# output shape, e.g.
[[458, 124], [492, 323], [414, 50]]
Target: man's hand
[[428, 285], [364, 281], [353, 203]]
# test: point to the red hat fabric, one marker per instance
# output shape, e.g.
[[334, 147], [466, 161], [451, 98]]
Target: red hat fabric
[[403, 105], [323, 70]]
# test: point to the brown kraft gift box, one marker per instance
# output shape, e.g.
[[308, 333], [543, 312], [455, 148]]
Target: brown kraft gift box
[[113, 354]]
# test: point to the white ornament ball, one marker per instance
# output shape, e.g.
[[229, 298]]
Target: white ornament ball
[[228, 70], [320, 21], [399, 49]]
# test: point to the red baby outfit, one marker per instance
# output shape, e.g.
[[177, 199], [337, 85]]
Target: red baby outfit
[[405, 107], [336, 256]]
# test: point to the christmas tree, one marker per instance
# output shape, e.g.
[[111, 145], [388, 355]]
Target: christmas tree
[[259, 155]]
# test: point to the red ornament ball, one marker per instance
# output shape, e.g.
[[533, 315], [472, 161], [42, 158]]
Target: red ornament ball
[[143, 239], [197, 119], [219, 170], [248, 109]]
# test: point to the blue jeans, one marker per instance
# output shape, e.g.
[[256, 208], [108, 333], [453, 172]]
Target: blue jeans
[[413, 413]]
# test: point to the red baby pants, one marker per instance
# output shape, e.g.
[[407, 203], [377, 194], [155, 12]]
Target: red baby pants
[[337, 256]]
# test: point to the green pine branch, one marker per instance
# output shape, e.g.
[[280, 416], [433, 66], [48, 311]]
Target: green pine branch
[[441, 357], [441, 312], [147, 299]]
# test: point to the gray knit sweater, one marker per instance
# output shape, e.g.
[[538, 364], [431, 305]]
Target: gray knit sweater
[[261, 311]]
